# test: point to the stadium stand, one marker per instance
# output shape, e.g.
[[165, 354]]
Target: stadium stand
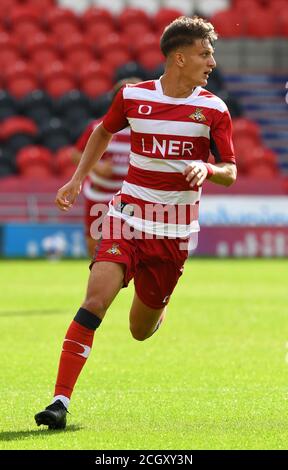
[[35, 161], [74, 109], [58, 70], [63, 163], [38, 106], [8, 106], [54, 135]]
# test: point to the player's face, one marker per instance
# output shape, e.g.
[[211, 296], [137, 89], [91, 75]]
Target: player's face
[[198, 62]]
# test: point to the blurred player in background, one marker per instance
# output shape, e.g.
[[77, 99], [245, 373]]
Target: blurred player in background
[[106, 177], [174, 122]]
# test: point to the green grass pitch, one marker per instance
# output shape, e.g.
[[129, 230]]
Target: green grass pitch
[[213, 377]]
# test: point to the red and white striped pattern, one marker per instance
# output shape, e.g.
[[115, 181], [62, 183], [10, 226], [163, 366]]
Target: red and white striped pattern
[[166, 134], [97, 188]]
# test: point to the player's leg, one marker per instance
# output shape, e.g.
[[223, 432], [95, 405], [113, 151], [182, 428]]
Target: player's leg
[[144, 320], [92, 245], [158, 271], [94, 214], [105, 281]]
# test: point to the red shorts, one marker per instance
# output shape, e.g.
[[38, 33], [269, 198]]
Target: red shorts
[[155, 264], [93, 223]]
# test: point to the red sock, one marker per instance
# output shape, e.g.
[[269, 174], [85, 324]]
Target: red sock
[[76, 348]]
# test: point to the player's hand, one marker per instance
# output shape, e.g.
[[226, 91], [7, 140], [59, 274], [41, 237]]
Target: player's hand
[[67, 195], [104, 168], [196, 173]]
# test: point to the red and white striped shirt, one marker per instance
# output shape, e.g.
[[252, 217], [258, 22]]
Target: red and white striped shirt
[[166, 134], [97, 188]]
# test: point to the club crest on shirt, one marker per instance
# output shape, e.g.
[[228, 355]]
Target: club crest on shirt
[[198, 115], [114, 250]]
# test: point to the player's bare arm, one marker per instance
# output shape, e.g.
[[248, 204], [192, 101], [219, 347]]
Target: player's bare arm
[[220, 173], [96, 146]]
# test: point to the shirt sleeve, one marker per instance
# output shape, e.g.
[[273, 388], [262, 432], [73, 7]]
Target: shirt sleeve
[[115, 119], [221, 144], [84, 137]]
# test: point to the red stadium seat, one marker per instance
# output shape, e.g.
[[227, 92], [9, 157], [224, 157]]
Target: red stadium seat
[[164, 16], [35, 161], [283, 25], [62, 31], [94, 87], [21, 79], [62, 21], [95, 15], [245, 5], [69, 41], [254, 155], [58, 86], [64, 166], [133, 16], [95, 70], [150, 59], [22, 14], [77, 50], [39, 41], [25, 21], [40, 49], [95, 31], [111, 42], [229, 24], [113, 50], [7, 40], [278, 6], [9, 52], [262, 171], [41, 57], [97, 23], [145, 43], [262, 25], [20, 87], [133, 30], [83, 66], [58, 79], [116, 58], [79, 57], [7, 6], [20, 69], [263, 154], [17, 125], [246, 137], [244, 146], [245, 127], [55, 69], [22, 31], [43, 5]]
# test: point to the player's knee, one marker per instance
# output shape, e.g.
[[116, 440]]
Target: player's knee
[[138, 334], [95, 304]]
